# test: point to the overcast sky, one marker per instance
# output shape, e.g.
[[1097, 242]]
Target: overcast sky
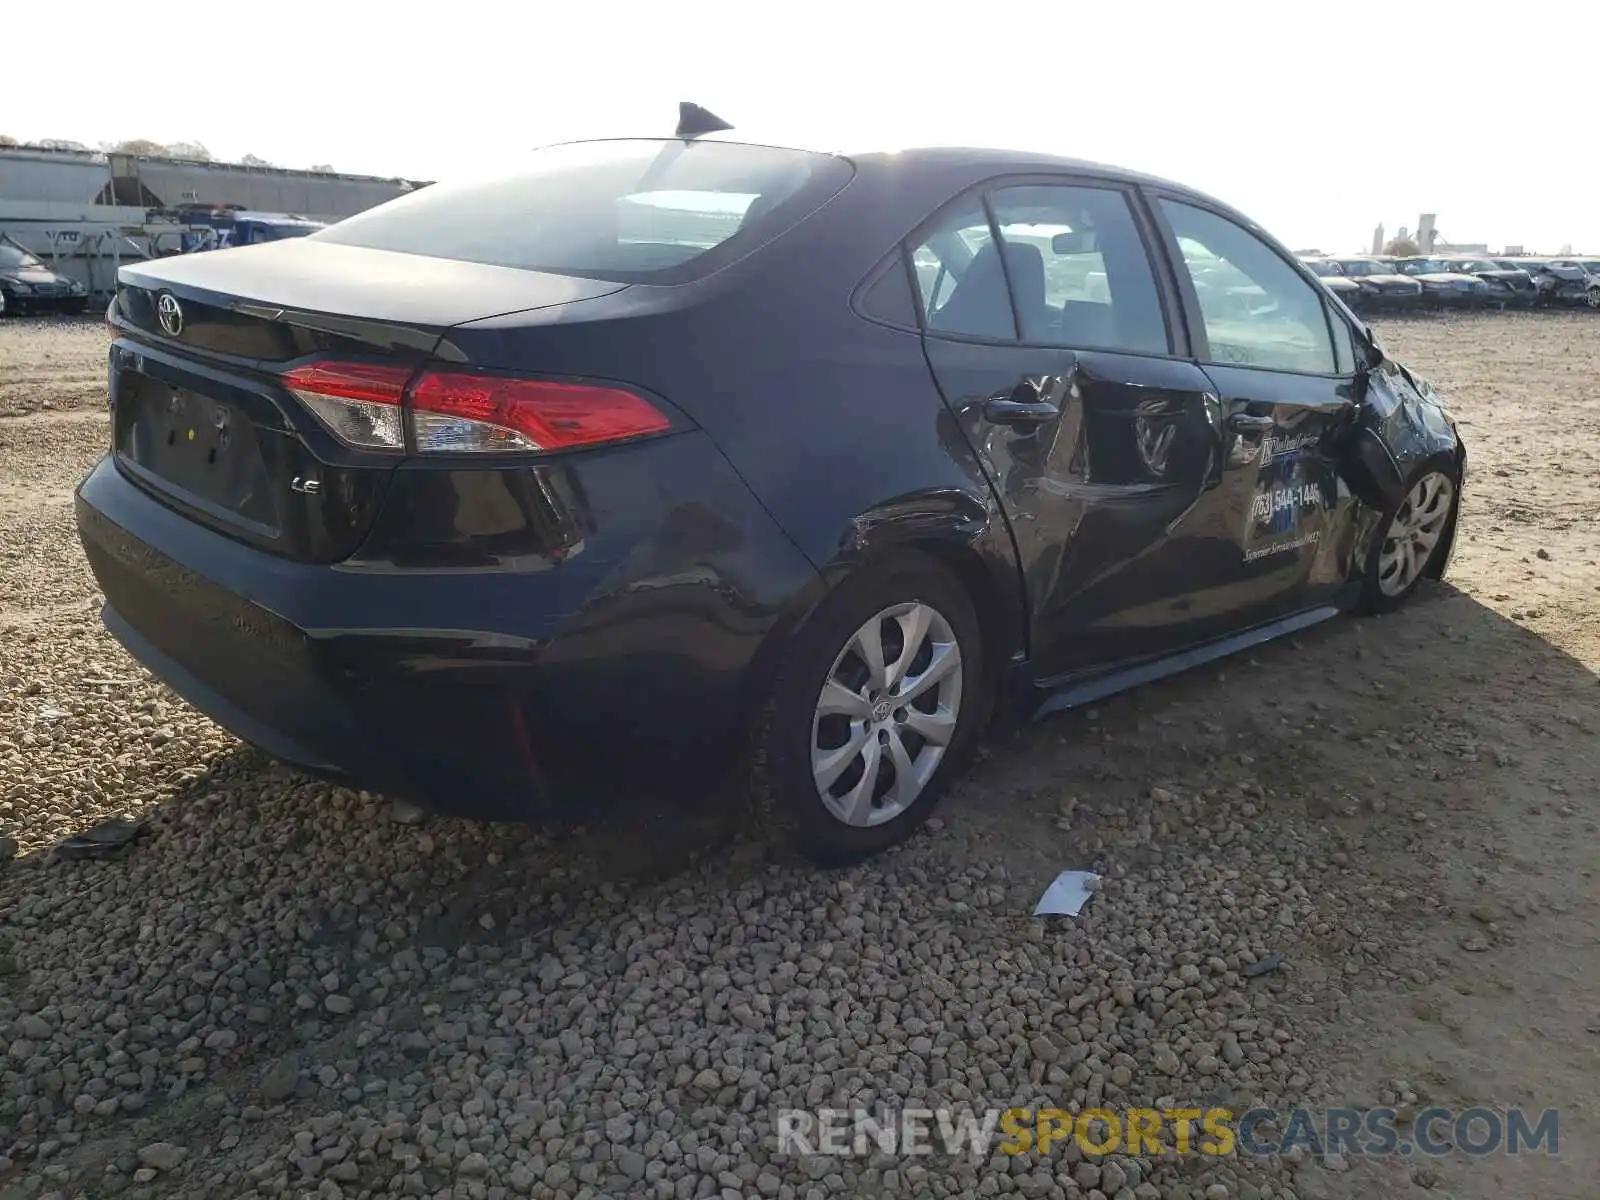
[[1318, 118]]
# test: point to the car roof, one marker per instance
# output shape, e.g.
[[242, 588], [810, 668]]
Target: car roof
[[915, 182], [975, 161]]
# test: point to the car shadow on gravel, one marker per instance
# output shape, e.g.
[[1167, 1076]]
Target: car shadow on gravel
[[463, 883], [1312, 726], [1085, 775]]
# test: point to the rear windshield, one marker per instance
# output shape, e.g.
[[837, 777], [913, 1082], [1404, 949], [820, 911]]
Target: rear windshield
[[629, 211]]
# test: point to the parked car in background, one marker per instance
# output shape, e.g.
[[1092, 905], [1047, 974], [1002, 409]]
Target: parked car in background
[[1442, 285], [1223, 288], [1512, 286], [1336, 281], [502, 489], [1561, 281], [1578, 280], [1534, 268], [27, 285], [1383, 288]]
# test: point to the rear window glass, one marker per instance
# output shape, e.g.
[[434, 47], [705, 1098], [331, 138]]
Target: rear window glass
[[630, 211]]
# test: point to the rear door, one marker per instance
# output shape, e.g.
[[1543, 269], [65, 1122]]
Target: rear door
[[1054, 340], [1266, 338]]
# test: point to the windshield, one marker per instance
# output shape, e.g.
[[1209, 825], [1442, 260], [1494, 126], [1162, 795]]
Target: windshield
[[1424, 266], [1478, 264], [627, 210], [1324, 269], [1361, 266], [15, 257]]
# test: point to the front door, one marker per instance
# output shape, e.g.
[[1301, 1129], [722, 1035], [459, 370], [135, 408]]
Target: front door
[[1264, 334], [1050, 340]]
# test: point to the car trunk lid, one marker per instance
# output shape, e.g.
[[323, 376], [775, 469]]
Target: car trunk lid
[[284, 300], [202, 416]]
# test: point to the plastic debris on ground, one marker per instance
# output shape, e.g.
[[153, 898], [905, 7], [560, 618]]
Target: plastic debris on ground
[[1067, 895], [100, 841]]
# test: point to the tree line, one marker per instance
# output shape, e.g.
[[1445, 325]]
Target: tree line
[[146, 148]]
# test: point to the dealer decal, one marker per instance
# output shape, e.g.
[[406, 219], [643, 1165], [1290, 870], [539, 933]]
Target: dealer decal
[[1272, 501], [1295, 543], [1279, 447]]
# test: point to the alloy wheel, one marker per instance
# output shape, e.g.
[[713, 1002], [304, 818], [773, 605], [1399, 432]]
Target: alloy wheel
[[1593, 298], [886, 714], [1414, 532]]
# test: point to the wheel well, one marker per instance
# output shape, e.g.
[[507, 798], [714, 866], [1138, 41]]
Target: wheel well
[[987, 603]]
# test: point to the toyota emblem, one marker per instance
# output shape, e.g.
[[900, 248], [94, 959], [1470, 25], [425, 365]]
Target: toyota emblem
[[170, 313]]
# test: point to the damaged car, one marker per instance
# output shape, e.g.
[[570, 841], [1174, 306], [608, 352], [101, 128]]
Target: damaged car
[[747, 472], [1383, 289], [1535, 270], [1443, 286], [1510, 287], [1574, 281]]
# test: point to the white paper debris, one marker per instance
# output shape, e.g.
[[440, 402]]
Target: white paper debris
[[1068, 894]]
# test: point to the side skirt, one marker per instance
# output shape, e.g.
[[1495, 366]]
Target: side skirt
[[1074, 693]]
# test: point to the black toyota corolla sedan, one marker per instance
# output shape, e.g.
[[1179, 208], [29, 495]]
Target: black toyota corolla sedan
[[658, 461], [27, 285]]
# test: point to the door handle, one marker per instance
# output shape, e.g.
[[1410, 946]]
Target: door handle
[[1249, 423], [1020, 408]]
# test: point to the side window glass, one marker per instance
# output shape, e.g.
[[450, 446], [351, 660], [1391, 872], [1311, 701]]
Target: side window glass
[[961, 279], [1258, 311], [888, 297], [1079, 273]]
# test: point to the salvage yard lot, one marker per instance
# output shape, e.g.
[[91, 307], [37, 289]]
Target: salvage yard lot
[[279, 991]]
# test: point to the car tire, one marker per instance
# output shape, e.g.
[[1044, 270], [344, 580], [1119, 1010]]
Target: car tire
[[1592, 298], [1412, 537], [830, 719]]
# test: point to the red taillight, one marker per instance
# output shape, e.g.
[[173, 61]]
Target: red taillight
[[457, 413], [371, 383], [482, 412]]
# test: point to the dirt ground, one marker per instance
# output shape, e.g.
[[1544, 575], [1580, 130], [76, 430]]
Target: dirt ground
[[1403, 807]]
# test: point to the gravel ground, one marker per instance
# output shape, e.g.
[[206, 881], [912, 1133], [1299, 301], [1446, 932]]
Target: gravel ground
[[277, 990], [51, 362]]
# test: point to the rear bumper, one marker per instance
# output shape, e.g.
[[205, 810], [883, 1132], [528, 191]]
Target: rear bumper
[[316, 703], [500, 693]]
